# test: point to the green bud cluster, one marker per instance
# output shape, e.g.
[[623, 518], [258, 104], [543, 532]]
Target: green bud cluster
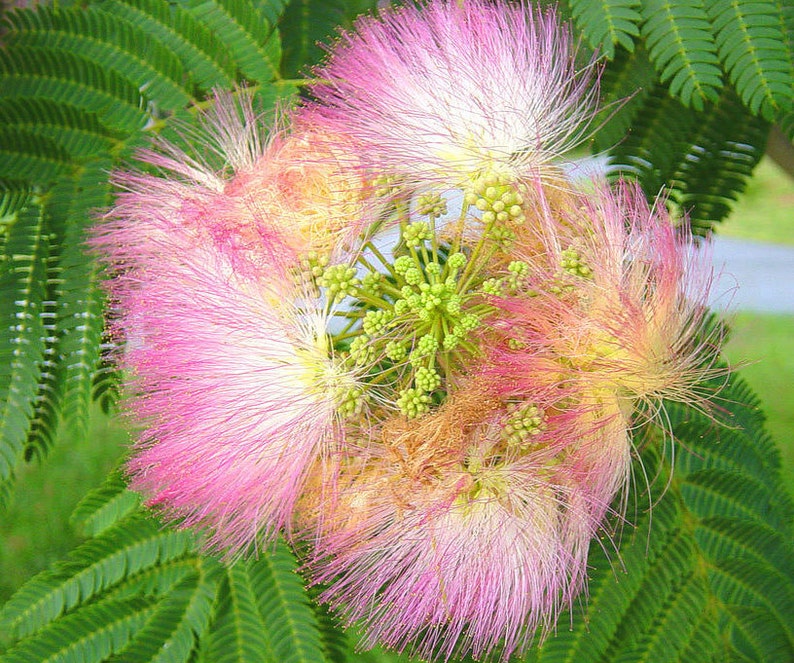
[[512, 282], [416, 233], [313, 264], [372, 283], [411, 317], [431, 204], [413, 403], [339, 281], [386, 185], [375, 322], [396, 351], [498, 200], [351, 401], [524, 422], [362, 350], [571, 262], [427, 379]]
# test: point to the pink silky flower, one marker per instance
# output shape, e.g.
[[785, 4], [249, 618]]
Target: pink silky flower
[[623, 298], [237, 395], [452, 539], [613, 311], [447, 90], [257, 198], [229, 375]]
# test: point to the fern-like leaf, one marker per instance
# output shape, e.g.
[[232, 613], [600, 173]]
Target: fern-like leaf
[[680, 42], [170, 634], [608, 23], [79, 134], [752, 47], [719, 164], [202, 54], [658, 142], [252, 41], [74, 205], [30, 156], [625, 86], [50, 73], [23, 286], [238, 633], [107, 40], [104, 506], [677, 148], [304, 24], [284, 605], [90, 635], [133, 545]]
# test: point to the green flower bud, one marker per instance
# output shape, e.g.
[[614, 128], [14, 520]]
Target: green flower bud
[[414, 403], [427, 379], [375, 322]]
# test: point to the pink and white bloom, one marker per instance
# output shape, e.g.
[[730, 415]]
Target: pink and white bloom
[[622, 297], [229, 374], [237, 395], [443, 415], [447, 540], [447, 90]]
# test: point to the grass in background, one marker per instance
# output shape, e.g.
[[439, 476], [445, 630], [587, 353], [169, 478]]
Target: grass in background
[[766, 344], [765, 213], [35, 530]]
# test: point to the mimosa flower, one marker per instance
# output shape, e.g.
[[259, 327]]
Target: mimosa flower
[[621, 295], [249, 194], [395, 332], [310, 187], [237, 395], [461, 535], [230, 375], [448, 90]]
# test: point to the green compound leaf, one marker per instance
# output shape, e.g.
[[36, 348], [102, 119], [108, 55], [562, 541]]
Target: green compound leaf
[[201, 52], [30, 156], [681, 45], [608, 23], [134, 545], [23, 287], [304, 25], [705, 159], [284, 605], [51, 73], [108, 41], [755, 50], [625, 85], [245, 31], [104, 506], [697, 578], [170, 634], [719, 163], [74, 205], [90, 635], [238, 633], [80, 135]]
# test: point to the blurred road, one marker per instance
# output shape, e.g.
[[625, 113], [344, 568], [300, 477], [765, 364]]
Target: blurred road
[[753, 276]]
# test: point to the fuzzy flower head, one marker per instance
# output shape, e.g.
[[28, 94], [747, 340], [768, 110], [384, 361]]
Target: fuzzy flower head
[[465, 533], [238, 398], [621, 296], [449, 90], [308, 186], [231, 380], [394, 332]]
